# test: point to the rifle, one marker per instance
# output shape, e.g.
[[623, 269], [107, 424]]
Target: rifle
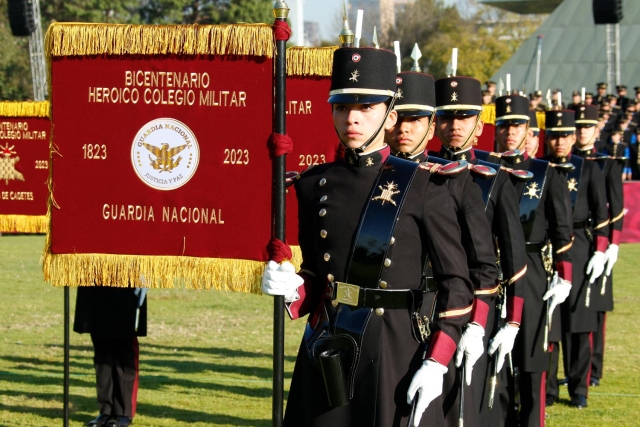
[[547, 262], [497, 324]]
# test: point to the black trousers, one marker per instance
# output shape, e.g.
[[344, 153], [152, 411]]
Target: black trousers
[[116, 365], [532, 399], [552, 376], [598, 346], [577, 353]]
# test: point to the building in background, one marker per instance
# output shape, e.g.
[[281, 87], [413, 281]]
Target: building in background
[[574, 49], [378, 13], [312, 34]]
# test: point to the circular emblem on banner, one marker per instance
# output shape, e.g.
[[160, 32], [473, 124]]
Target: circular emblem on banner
[[398, 80], [454, 83], [165, 154], [356, 57]]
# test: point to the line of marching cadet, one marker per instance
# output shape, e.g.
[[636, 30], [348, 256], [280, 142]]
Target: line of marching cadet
[[540, 238], [570, 209]]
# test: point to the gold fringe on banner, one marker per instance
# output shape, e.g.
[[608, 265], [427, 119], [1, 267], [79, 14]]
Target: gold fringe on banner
[[488, 114], [540, 115], [235, 275], [24, 109], [78, 39], [24, 223], [310, 61]]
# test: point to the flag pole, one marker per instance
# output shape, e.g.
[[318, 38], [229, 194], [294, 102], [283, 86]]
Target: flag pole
[[65, 386], [280, 13]]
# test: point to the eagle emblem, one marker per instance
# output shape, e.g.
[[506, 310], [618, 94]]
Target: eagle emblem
[[164, 161], [532, 190], [572, 184], [388, 191], [8, 165]]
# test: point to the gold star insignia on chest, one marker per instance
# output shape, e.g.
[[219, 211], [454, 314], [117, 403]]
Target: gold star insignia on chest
[[532, 190], [454, 97], [369, 162], [350, 161], [518, 160], [354, 76], [572, 183], [388, 191], [463, 157]]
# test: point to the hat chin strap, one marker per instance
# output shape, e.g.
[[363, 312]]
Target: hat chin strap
[[368, 142], [412, 152], [520, 146], [466, 142]]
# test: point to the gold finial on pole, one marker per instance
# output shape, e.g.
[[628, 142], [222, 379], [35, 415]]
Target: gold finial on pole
[[280, 9]]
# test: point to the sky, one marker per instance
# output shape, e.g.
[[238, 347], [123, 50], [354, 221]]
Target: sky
[[325, 12]]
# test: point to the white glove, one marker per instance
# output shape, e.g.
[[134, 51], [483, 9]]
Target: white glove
[[612, 257], [596, 266], [281, 279], [503, 343], [427, 382], [470, 348], [559, 291]]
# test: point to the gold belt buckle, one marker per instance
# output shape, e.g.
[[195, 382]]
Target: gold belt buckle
[[347, 294]]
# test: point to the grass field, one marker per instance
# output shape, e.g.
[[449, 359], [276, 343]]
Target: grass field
[[206, 361]]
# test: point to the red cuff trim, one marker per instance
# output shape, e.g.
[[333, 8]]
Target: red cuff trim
[[300, 308], [479, 312], [514, 309], [616, 235], [602, 242], [441, 348], [565, 270]]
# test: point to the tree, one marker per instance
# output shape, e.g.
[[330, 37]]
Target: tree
[[15, 71]]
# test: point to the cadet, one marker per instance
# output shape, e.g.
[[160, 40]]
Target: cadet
[[590, 228], [458, 125], [602, 295], [366, 356], [543, 215], [532, 141], [408, 139], [115, 318], [601, 97]]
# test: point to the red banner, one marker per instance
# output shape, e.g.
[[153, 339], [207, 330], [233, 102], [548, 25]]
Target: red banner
[[24, 166], [162, 159], [631, 224]]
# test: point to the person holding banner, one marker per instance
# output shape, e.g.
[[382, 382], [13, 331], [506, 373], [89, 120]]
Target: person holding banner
[[408, 139], [379, 335], [115, 318]]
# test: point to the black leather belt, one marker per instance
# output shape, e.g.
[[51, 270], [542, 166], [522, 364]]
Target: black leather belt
[[345, 293], [579, 224], [534, 248]]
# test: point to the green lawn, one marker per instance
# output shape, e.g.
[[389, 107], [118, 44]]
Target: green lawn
[[206, 361]]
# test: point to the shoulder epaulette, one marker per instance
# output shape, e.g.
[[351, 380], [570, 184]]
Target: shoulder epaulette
[[450, 170], [564, 167], [597, 156], [510, 153], [520, 175], [482, 170]]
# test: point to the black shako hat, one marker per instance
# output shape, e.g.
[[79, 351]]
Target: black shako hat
[[533, 121], [416, 94], [458, 96], [362, 76], [560, 122], [512, 109], [586, 115]]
